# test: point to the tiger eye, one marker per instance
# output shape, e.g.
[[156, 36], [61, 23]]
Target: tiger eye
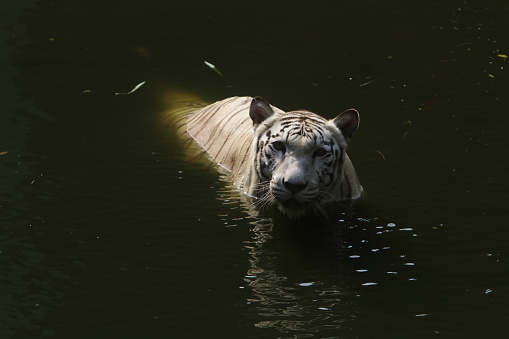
[[278, 146], [320, 152]]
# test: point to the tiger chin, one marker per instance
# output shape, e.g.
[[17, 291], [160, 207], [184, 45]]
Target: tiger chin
[[295, 161]]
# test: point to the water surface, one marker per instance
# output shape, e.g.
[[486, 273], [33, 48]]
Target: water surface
[[106, 229]]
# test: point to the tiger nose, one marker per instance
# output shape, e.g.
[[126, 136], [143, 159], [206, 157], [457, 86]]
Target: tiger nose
[[294, 187]]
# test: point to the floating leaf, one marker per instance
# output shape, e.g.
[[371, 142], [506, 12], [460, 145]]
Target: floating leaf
[[368, 83], [214, 68], [383, 156], [133, 90]]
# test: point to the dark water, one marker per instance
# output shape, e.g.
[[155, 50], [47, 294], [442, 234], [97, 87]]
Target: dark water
[[106, 231]]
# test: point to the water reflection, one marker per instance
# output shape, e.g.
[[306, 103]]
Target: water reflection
[[307, 276], [295, 286]]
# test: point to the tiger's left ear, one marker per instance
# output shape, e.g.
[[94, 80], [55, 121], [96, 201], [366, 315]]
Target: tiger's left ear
[[347, 122], [260, 110]]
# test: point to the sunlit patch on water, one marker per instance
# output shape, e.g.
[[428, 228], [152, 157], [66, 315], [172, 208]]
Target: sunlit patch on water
[[372, 255]]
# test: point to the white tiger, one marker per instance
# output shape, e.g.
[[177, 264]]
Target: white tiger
[[295, 161]]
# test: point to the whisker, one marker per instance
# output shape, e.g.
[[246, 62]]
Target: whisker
[[324, 194], [266, 200], [320, 208]]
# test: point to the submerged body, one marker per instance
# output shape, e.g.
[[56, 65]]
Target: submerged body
[[295, 160]]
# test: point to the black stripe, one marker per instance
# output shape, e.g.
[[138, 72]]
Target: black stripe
[[204, 115], [214, 133], [231, 142]]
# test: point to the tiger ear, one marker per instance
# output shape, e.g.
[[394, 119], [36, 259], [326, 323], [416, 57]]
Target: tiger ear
[[347, 122], [260, 110]]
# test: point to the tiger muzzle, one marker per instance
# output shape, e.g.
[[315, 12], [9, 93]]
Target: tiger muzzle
[[294, 187]]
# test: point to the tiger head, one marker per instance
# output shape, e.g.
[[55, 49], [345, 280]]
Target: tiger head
[[299, 156]]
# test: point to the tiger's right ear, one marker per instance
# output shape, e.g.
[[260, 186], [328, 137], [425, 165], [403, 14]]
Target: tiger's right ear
[[260, 110]]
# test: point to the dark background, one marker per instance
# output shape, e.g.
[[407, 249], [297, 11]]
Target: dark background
[[105, 230]]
